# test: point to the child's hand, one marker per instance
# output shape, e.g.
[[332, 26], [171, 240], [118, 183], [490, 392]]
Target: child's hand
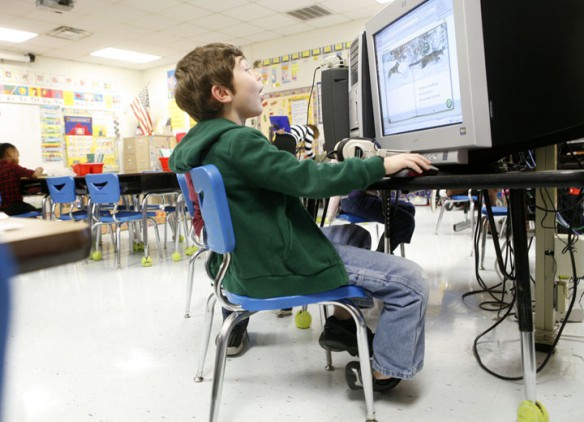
[[395, 163]]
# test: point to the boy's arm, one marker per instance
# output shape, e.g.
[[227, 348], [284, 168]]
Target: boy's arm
[[37, 173], [23, 172]]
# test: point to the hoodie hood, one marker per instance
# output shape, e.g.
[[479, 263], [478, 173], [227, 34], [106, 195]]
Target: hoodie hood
[[191, 150]]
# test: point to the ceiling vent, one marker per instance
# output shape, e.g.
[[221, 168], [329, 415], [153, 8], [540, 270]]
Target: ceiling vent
[[69, 33], [309, 13], [55, 6]]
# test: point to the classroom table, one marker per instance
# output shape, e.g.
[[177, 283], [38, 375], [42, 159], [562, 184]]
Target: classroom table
[[39, 244], [517, 183]]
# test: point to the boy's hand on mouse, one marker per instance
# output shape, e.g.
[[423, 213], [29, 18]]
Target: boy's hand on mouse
[[395, 163]]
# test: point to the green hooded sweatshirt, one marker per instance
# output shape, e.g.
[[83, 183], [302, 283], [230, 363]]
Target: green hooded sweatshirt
[[279, 249]]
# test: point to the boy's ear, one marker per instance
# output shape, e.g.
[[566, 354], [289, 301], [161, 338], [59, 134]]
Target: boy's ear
[[221, 94]]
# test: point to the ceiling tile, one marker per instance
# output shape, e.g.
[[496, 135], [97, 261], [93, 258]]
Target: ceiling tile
[[154, 22], [242, 30], [151, 5], [218, 6], [185, 12], [248, 12], [274, 21]]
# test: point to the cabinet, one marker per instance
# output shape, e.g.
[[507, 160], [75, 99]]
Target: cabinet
[[141, 153]]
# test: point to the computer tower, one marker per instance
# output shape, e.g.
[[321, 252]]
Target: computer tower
[[361, 122], [335, 106]]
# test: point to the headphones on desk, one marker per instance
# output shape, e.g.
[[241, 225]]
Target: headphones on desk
[[354, 147]]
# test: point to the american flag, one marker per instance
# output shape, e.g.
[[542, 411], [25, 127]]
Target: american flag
[[140, 106]]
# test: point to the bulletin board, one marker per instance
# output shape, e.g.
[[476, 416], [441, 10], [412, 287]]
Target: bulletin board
[[293, 103]]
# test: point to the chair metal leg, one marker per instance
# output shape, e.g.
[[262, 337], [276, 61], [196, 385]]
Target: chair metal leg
[[220, 359], [363, 345], [157, 235], [328, 355], [402, 249], [190, 280], [442, 206], [119, 249], [207, 324]]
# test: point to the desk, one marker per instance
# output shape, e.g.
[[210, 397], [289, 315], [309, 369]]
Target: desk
[[516, 182], [146, 183], [39, 244], [130, 184]]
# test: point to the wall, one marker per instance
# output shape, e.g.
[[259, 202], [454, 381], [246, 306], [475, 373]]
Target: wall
[[127, 83], [267, 49]]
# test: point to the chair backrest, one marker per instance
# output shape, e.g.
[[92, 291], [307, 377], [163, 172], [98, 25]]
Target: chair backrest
[[7, 270], [184, 188], [103, 188], [62, 189], [209, 186]]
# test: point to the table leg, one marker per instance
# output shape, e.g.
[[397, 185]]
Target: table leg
[[517, 200]]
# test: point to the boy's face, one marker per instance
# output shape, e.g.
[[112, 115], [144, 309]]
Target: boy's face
[[247, 99]]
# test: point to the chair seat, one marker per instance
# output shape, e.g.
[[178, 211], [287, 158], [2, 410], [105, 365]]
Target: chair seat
[[31, 214], [497, 211], [124, 216], [282, 302], [77, 215]]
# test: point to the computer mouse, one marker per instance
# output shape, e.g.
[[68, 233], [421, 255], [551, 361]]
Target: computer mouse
[[408, 172]]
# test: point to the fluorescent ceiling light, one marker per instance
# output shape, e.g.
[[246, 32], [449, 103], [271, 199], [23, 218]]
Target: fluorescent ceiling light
[[14, 35], [383, 1], [125, 55]]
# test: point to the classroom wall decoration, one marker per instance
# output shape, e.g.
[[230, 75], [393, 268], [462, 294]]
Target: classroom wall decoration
[[57, 96], [91, 137]]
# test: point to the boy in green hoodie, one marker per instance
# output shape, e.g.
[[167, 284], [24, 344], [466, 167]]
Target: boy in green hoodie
[[279, 248]]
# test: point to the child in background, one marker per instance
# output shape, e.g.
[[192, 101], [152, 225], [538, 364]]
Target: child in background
[[10, 174], [279, 248]]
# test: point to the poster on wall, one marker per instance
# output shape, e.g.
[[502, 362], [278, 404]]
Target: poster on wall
[[91, 136]]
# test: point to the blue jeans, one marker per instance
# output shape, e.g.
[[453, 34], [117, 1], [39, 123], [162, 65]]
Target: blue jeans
[[398, 345]]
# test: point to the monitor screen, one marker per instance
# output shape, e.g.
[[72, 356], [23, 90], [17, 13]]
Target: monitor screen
[[417, 70]]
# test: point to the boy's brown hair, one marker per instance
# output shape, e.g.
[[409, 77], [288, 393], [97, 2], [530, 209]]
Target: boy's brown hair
[[197, 72]]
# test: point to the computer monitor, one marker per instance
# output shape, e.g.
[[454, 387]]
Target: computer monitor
[[475, 80]]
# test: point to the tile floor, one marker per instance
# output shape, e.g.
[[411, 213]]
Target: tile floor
[[92, 343]]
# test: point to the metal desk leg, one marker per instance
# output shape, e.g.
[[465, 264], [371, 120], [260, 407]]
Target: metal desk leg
[[517, 202]]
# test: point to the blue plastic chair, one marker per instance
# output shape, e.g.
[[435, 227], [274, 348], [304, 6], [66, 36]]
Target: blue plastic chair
[[62, 192], [220, 239], [104, 189], [7, 270], [200, 247]]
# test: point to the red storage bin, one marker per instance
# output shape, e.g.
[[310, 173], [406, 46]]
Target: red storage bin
[[87, 168]]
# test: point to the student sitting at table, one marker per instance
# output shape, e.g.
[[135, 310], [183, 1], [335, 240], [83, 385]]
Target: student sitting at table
[[10, 175]]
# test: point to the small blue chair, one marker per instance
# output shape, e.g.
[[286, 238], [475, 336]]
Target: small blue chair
[[62, 192], [220, 239], [104, 189], [7, 270]]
